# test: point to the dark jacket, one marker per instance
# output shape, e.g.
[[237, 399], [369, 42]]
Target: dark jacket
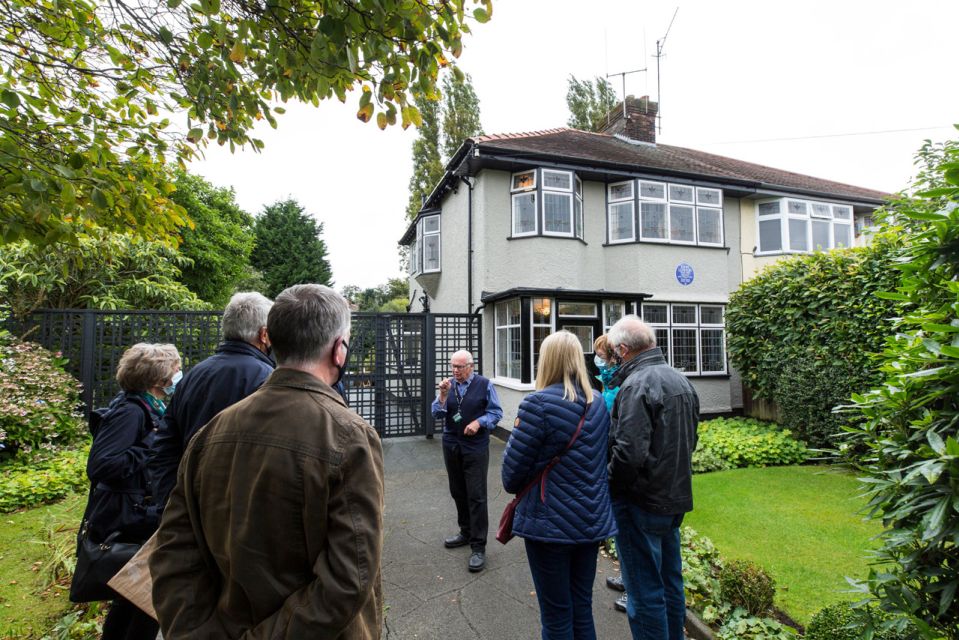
[[121, 492], [576, 508], [654, 421], [275, 526], [236, 370]]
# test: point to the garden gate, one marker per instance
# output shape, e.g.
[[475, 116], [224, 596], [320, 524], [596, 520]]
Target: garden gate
[[396, 360]]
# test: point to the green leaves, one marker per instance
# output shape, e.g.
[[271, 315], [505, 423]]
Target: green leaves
[[97, 108]]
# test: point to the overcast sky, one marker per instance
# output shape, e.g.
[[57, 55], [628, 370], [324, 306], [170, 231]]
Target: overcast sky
[[789, 85]]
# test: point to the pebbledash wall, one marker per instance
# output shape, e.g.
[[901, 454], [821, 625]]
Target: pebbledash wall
[[500, 262]]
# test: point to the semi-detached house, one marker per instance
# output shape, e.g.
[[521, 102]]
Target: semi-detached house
[[568, 229]]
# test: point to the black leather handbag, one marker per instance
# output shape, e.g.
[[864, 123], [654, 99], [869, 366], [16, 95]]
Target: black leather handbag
[[97, 562]]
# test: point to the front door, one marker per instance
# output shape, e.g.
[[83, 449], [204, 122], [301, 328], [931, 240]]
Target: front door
[[585, 321]]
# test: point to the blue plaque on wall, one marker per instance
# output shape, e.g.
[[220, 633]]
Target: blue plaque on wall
[[684, 274]]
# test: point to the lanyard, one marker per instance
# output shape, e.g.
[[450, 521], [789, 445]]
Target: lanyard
[[456, 391]]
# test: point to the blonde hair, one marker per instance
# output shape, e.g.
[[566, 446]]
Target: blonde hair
[[602, 344], [144, 366], [561, 360]]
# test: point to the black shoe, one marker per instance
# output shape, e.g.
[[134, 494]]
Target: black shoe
[[615, 582], [459, 540], [620, 604], [477, 561]]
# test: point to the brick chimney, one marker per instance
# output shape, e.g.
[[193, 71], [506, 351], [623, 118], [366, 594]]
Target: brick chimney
[[640, 121]]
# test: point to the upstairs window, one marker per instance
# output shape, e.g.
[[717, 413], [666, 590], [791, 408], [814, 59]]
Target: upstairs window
[[793, 225], [664, 212], [425, 249], [547, 202]]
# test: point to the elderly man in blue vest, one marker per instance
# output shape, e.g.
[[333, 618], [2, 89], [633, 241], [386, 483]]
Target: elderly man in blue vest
[[470, 409]]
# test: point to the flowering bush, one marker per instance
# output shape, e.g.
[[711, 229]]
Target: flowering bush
[[38, 400]]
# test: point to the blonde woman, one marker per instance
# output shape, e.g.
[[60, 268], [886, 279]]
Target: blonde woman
[[566, 515], [121, 495]]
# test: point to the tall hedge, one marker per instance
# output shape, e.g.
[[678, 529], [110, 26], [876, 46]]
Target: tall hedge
[[910, 424], [801, 333]]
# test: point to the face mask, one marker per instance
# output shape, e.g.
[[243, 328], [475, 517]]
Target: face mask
[[599, 362], [176, 378], [342, 369]]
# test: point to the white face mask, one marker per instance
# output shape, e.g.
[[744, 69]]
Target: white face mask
[[173, 382], [599, 362]]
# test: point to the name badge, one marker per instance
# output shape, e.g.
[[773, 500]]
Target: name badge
[[457, 417]]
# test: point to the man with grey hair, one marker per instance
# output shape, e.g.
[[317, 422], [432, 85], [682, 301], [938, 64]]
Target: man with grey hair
[[469, 415], [275, 526], [240, 365], [651, 443]]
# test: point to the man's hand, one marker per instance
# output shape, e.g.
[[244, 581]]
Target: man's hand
[[444, 388], [472, 428]]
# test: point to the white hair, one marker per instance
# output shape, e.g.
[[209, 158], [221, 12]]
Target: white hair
[[245, 315], [634, 334]]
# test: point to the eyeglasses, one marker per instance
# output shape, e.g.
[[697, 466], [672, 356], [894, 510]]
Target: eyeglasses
[[461, 366]]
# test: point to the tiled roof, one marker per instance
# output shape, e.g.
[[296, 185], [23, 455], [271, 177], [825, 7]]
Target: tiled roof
[[575, 145]]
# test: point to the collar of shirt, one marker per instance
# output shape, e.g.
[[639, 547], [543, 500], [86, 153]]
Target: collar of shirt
[[463, 386]]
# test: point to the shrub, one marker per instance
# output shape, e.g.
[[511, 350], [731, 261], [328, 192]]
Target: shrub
[[38, 399], [746, 585], [842, 621], [701, 564], [26, 485], [911, 421], [726, 443], [814, 317], [742, 626]]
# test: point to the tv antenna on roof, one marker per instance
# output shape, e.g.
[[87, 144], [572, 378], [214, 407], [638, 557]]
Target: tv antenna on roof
[[660, 44], [624, 74]]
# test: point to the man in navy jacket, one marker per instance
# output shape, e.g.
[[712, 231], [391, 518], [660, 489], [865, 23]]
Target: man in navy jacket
[[240, 365], [470, 409]]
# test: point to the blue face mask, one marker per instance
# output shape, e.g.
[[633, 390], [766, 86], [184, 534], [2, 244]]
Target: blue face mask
[[174, 380], [599, 362]]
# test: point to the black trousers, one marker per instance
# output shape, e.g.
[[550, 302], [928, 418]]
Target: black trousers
[[467, 472], [126, 621]]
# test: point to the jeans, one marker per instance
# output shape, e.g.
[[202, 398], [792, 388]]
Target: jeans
[[649, 554], [563, 576], [467, 470]]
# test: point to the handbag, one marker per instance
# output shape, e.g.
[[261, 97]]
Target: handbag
[[504, 533], [97, 562]]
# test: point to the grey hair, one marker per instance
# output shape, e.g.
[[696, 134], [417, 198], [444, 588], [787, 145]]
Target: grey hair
[[144, 366], [245, 315], [304, 322], [466, 354], [634, 334]]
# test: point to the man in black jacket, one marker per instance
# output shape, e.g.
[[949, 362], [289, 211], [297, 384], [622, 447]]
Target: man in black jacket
[[653, 435], [237, 369]]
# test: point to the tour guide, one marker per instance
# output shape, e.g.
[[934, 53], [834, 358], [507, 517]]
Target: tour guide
[[470, 414]]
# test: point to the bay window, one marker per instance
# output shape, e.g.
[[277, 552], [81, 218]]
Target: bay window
[[547, 202], [667, 212], [793, 225], [425, 248], [690, 335]]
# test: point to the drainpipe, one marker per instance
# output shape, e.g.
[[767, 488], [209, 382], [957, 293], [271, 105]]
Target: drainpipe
[[469, 250]]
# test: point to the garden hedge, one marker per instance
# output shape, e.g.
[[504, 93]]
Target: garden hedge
[[801, 333]]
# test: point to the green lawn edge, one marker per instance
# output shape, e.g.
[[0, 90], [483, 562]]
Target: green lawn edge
[[800, 523]]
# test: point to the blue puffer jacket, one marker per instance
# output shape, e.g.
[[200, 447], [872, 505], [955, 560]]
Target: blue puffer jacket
[[576, 509]]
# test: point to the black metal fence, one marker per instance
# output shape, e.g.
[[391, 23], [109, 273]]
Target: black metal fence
[[396, 360]]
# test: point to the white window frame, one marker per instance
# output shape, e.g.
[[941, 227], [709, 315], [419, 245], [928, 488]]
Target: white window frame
[[504, 304], [669, 227], [579, 216], [651, 200], [607, 325], [568, 193], [439, 242], [810, 217], [617, 202], [670, 327], [534, 325], [568, 315], [535, 230]]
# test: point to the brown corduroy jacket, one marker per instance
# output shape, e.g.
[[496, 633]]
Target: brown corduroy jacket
[[275, 527]]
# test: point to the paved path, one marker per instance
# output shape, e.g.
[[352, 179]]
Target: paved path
[[428, 590]]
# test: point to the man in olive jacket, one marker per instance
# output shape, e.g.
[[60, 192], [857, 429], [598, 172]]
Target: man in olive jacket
[[651, 442], [275, 527]]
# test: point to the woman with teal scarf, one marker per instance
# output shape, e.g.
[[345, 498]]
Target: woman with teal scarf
[[607, 370]]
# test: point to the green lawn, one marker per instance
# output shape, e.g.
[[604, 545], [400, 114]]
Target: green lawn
[[28, 604], [800, 523]]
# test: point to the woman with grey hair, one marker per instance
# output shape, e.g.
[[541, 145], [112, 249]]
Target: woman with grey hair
[[121, 499]]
